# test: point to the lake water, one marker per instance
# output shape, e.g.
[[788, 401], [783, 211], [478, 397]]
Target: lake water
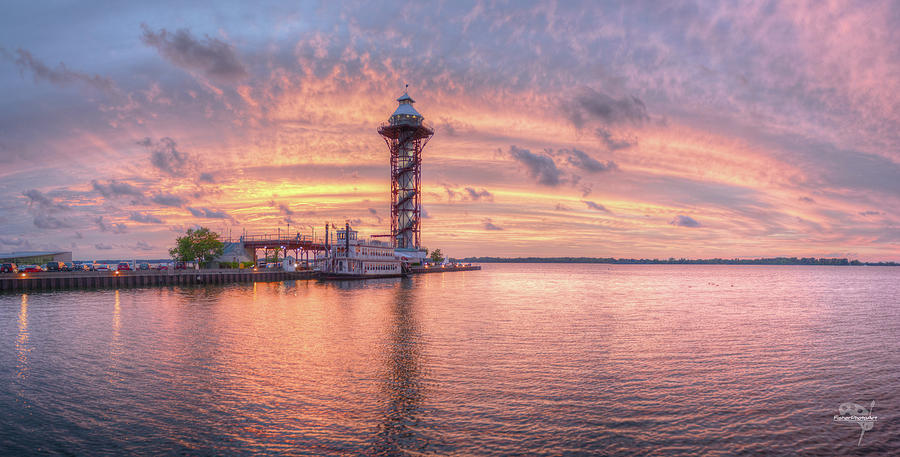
[[510, 360]]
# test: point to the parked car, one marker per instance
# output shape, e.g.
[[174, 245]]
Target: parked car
[[180, 266], [54, 266], [144, 266], [162, 266], [8, 268], [68, 266], [124, 266], [101, 267], [31, 269]]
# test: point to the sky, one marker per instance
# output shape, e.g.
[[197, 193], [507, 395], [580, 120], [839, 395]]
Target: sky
[[609, 129]]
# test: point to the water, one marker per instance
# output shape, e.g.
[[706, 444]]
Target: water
[[510, 360]]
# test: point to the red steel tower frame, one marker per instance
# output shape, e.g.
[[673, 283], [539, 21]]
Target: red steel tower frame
[[406, 134]]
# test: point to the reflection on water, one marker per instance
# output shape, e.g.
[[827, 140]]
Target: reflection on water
[[402, 383], [117, 316], [116, 345], [22, 339], [116, 348], [361, 284], [510, 360]]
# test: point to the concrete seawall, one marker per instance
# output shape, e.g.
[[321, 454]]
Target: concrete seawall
[[98, 279], [109, 279]]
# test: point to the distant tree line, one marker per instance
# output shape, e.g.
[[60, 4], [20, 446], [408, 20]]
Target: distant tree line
[[672, 260]]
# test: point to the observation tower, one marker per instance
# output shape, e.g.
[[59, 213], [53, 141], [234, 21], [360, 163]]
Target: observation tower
[[406, 135]]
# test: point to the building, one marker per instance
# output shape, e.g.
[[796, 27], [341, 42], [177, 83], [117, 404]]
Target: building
[[35, 257], [234, 253]]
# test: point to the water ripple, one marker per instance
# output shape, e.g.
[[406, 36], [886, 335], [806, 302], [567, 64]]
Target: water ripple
[[512, 360]]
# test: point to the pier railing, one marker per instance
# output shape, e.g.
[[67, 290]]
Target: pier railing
[[143, 278], [277, 239]]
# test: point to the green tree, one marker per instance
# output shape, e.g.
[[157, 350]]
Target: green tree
[[437, 256], [201, 245]]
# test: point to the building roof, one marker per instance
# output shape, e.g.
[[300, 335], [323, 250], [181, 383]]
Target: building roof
[[234, 252], [406, 109], [30, 253], [21, 254]]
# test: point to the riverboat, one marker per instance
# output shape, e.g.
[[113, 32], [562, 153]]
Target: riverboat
[[352, 258]]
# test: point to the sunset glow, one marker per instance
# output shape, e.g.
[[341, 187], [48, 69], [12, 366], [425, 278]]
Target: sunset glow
[[684, 130]]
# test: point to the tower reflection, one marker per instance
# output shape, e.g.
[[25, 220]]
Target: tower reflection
[[403, 379]]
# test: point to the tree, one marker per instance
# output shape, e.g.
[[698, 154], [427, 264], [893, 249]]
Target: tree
[[202, 245], [437, 256]]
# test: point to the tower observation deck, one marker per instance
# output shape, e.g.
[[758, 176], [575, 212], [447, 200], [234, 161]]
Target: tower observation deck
[[406, 134]]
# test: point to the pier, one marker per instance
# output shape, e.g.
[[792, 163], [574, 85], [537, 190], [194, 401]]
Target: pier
[[142, 278], [300, 245], [48, 281]]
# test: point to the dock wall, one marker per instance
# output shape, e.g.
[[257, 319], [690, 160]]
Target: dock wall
[[97, 279], [103, 279]]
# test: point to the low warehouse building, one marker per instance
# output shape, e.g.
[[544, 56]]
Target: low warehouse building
[[35, 257]]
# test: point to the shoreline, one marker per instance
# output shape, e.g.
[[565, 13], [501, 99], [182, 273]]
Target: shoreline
[[776, 261]]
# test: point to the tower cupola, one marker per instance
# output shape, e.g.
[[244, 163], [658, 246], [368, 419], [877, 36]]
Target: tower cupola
[[405, 113]]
